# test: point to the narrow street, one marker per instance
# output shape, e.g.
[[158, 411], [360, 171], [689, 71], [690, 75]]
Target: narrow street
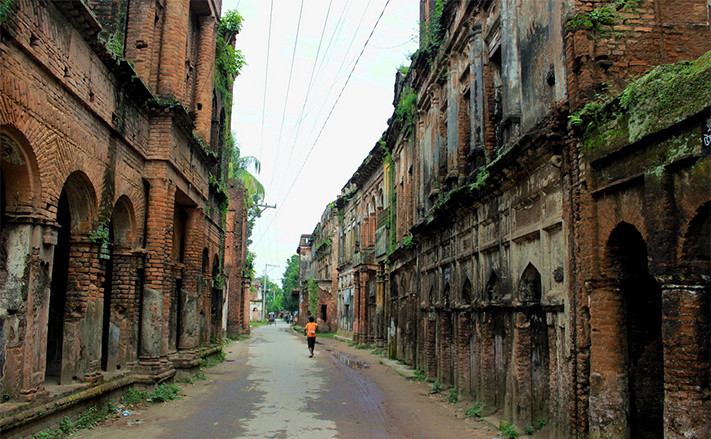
[[268, 387]]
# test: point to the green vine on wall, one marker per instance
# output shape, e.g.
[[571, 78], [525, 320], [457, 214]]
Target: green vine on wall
[[228, 60], [5, 9], [313, 297], [432, 31], [406, 109]]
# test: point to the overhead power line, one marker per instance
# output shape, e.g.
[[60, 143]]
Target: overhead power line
[[266, 77], [288, 85], [276, 214]]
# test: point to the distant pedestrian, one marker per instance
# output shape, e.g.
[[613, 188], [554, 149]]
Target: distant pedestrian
[[310, 332]]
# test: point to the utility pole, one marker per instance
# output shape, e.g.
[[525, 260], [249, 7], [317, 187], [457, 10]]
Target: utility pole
[[264, 291], [262, 208]]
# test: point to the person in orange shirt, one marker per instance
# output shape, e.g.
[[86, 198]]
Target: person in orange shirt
[[310, 332]]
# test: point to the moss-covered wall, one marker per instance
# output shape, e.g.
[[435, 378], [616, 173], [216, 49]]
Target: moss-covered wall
[[667, 95]]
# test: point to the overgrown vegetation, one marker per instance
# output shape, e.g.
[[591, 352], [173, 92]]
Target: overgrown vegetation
[[94, 415], [163, 393], [419, 375], [453, 395], [313, 297], [228, 60], [432, 31], [508, 430], [666, 95], [5, 9], [475, 410], [133, 396], [436, 387], [212, 360], [598, 21], [406, 109]]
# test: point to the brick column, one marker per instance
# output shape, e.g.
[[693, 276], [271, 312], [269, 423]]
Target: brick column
[[83, 313], [522, 369], [156, 292], [235, 252], [464, 334], [446, 347], [171, 73], [477, 113], [362, 307], [192, 258], [609, 382], [687, 357], [124, 309], [356, 307], [205, 71], [141, 48], [487, 356], [430, 344]]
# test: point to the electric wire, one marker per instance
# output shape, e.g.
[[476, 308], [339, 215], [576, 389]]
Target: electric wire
[[325, 121], [333, 83], [288, 86], [338, 28], [266, 77], [308, 88]]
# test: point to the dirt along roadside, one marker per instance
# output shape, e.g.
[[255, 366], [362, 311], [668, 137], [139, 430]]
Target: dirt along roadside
[[419, 412]]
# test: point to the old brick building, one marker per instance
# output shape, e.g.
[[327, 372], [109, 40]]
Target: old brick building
[[112, 239], [543, 256]]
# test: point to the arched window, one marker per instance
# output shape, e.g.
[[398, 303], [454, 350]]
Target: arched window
[[493, 288], [529, 287]]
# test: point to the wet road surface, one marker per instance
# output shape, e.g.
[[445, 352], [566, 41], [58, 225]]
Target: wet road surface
[[268, 387]]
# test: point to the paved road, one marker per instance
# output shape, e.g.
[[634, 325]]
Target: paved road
[[282, 393], [268, 387]]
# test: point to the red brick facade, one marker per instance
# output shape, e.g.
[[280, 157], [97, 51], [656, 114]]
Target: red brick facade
[[111, 240]]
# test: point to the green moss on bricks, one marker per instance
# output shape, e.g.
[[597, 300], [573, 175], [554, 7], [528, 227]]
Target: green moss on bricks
[[682, 145], [667, 95], [700, 174]]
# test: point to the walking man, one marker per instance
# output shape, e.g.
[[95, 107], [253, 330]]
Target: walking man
[[310, 331]]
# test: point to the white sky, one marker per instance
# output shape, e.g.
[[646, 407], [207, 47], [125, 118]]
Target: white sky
[[356, 124]]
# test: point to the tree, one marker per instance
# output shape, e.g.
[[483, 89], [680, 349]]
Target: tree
[[240, 167], [290, 282], [273, 296]]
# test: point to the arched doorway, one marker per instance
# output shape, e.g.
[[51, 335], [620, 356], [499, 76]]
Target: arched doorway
[[203, 286], [529, 293], [687, 333], [119, 287], [641, 324], [216, 300], [58, 297], [75, 211]]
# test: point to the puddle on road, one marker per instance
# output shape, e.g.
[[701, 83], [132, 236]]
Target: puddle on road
[[234, 361], [256, 340]]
